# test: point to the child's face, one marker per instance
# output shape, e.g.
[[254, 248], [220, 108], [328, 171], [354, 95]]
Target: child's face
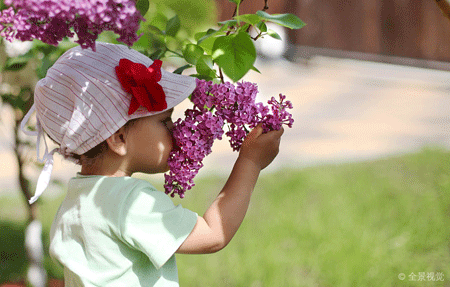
[[150, 143]]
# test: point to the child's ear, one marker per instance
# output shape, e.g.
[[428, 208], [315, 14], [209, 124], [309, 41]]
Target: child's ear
[[117, 142]]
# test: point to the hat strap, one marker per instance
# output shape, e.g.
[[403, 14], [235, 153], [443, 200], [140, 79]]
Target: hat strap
[[44, 177], [25, 120]]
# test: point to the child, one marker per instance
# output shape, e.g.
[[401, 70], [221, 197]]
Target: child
[[110, 111]]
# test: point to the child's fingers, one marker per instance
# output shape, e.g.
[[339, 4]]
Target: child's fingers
[[272, 134], [255, 133], [278, 133]]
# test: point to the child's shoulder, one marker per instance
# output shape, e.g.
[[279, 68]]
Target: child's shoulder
[[115, 189], [139, 193], [131, 182], [99, 181]]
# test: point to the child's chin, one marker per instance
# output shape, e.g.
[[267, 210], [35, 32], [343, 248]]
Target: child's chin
[[159, 169]]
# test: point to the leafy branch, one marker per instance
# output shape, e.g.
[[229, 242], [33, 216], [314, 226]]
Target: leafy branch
[[228, 50]]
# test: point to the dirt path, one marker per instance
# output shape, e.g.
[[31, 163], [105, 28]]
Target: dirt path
[[344, 110]]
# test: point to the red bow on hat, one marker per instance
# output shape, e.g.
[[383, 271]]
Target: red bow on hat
[[142, 83]]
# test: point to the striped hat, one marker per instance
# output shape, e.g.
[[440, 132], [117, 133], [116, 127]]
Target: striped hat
[[81, 102]]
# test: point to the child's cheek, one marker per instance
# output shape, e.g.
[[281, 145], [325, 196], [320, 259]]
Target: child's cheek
[[174, 143]]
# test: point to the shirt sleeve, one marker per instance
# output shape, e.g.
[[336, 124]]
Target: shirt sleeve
[[151, 223]]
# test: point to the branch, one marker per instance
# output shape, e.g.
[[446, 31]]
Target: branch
[[445, 7], [265, 5], [221, 76], [23, 181], [26, 94]]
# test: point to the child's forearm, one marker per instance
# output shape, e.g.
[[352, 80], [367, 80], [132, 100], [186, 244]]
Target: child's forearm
[[226, 213], [220, 222]]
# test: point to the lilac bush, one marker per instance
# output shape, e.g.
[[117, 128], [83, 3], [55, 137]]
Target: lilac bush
[[52, 20], [217, 106]]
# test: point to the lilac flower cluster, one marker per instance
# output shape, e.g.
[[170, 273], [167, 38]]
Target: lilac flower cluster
[[52, 20], [217, 106], [193, 139]]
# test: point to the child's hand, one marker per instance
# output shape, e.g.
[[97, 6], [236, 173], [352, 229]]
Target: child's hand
[[261, 148]]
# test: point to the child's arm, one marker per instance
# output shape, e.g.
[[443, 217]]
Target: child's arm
[[220, 222]]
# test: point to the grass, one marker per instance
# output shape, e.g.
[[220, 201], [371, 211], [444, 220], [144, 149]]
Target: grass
[[356, 224]]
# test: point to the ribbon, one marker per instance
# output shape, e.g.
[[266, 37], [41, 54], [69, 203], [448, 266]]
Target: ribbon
[[44, 177], [142, 83]]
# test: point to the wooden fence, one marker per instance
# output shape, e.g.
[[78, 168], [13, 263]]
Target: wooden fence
[[415, 29]]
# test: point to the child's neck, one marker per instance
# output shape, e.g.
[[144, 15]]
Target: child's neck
[[107, 167]]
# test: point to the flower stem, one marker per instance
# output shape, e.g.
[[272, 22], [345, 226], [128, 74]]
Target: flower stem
[[236, 10]]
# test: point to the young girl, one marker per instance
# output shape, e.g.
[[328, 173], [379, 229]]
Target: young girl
[[110, 111]]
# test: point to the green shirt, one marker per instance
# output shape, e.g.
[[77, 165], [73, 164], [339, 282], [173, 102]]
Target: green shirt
[[118, 231]]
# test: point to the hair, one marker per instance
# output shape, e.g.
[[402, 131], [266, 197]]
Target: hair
[[95, 153]]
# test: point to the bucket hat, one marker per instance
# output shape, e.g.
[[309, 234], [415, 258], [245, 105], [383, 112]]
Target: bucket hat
[[87, 96]]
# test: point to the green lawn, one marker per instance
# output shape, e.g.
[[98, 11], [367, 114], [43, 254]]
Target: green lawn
[[356, 224]]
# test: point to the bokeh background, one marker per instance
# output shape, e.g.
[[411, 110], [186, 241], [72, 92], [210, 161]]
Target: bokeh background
[[360, 192]]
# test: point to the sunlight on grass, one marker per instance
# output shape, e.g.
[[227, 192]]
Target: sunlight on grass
[[358, 224]]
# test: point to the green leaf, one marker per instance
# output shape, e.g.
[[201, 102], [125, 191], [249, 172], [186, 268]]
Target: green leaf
[[255, 69], [173, 26], [192, 53], [158, 54], [46, 63], [9, 99], [235, 1], [262, 26], [211, 33], [235, 54], [208, 44], [228, 23], [287, 20], [251, 19], [244, 28], [142, 6], [202, 77], [159, 20], [180, 70], [205, 66], [205, 35], [200, 35], [273, 34], [206, 39], [142, 43], [16, 63], [155, 30]]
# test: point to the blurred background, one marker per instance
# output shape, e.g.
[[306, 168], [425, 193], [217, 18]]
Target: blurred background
[[359, 194]]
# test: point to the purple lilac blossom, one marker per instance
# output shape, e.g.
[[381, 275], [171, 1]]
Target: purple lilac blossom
[[217, 106], [193, 139], [52, 20]]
